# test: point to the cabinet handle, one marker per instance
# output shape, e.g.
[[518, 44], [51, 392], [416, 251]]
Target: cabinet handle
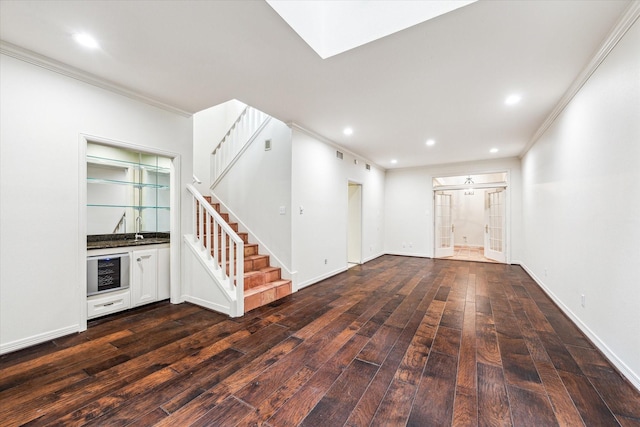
[[108, 304]]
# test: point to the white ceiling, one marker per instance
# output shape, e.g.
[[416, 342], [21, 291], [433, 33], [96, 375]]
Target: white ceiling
[[445, 79]]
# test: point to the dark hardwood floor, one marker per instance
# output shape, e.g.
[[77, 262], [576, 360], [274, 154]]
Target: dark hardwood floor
[[397, 341]]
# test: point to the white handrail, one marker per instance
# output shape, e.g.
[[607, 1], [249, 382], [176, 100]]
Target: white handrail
[[210, 229], [243, 131]]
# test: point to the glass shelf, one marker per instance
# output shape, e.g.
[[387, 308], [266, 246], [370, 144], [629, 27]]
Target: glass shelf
[[126, 164], [129, 183], [127, 191], [126, 206]]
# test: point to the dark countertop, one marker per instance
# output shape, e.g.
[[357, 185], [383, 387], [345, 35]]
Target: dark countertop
[[102, 241]]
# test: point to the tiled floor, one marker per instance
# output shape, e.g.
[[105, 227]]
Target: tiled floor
[[469, 253]]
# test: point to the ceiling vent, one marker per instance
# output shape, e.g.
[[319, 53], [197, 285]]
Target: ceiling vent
[[339, 155]]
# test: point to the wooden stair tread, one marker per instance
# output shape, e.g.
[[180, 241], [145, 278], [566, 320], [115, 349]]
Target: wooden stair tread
[[259, 293], [265, 287]]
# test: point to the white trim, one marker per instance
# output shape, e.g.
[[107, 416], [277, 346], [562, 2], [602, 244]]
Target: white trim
[[409, 254], [39, 339], [320, 278], [295, 126], [75, 73], [622, 367], [208, 304], [619, 30], [174, 212], [239, 154], [372, 257]]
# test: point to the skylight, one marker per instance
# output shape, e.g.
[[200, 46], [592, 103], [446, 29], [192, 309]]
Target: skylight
[[332, 27]]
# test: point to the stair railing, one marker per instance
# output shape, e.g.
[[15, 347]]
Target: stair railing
[[242, 132], [122, 222], [224, 248]]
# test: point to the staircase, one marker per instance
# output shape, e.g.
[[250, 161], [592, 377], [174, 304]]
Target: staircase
[[262, 283]]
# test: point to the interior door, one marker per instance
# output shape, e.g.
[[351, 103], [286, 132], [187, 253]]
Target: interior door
[[443, 224], [354, 225], [494, 228]]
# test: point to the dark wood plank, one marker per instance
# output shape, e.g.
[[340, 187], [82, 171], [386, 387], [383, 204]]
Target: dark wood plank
[[395, 341], [433, 404], [493, 403], [530, 409], [336, 405], [591, 407]]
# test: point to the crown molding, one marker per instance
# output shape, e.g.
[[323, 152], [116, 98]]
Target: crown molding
[[42, 61], [296, 126], [623, 25]]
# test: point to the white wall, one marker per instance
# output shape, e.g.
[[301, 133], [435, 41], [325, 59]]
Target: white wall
[[209, 128], [320, 183], [408, 215], [43, 114], [258, 186], [582, 207], [468, 217]]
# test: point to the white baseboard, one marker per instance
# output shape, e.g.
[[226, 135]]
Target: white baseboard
[[622, 367], [408, 254], [320, 278], [38, 339], [372, 257]]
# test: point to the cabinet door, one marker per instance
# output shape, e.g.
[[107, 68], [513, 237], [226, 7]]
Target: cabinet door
[[144, 283], [164, 274]]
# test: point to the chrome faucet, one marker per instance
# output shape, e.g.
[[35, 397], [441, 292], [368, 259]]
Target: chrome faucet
[[139, 228]]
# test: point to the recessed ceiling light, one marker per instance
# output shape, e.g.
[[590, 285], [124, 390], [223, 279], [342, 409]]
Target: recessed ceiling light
[[431, 142], [513, 99], [347, 131], [394, 161], [493, 150], [86, 40]]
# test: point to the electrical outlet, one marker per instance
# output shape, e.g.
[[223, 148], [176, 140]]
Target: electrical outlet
[[583, 300], [325, 261]]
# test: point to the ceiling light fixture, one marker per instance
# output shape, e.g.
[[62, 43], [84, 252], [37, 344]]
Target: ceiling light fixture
[[430, 142], [493, 150], [513, 99], [347, 131], [86, 40], [394, 161], [469, 191]]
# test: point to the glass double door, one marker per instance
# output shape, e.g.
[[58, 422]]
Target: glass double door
[[494, 224]]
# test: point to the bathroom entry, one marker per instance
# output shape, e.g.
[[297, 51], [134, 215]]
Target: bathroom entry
[[470, 217], [354, 225]]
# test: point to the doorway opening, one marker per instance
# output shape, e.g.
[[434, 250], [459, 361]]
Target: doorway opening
[[354, 225], [470, 217]]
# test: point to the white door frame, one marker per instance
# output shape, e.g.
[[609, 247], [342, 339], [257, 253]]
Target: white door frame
[[489, 252], [359, 234], [442, 232], [507, 209], [175, 214]]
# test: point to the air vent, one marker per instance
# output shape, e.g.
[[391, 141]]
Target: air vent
[[339, 155], [267, 144], [367, 166]]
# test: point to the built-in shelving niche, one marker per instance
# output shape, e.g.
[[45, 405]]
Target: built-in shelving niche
[[127, 191]]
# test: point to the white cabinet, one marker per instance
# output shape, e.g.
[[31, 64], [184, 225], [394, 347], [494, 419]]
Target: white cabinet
[[144, 277], [112, 302], [164, 274], [150, 280]]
